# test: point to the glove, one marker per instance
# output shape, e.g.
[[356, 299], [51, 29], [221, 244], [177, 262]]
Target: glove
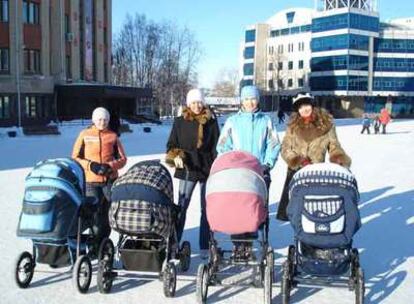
[[266, 170], [178, 162], [100, 169]]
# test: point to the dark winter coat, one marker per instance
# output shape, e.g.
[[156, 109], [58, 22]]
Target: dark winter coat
[[194, 138]]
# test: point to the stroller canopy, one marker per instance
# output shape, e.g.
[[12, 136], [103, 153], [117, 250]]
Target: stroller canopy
[[323, 205], [236, 194], [148, 181], [54, 191]]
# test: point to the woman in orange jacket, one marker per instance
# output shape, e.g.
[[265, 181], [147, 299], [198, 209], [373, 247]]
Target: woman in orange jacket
[[100, 153]]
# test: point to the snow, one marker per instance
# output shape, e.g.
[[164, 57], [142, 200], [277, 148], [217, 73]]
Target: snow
[[383, 165]]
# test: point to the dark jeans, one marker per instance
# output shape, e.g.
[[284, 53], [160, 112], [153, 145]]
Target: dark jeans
[[185, 192], [365, 128], [383, 128], [101, 227], [284, 200]]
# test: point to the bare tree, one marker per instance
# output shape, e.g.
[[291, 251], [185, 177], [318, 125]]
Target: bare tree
[[276, 79], [227, 83], [160, 56]]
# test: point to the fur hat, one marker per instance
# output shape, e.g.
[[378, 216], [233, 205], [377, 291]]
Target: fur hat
[[301, 99], [249, 92], [194, 95], [99, 113]]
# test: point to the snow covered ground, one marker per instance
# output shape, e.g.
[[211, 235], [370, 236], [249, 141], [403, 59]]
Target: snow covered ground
[[383, 165]]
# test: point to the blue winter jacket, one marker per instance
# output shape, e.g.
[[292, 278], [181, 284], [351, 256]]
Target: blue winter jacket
[[366, 122], [251, 132]]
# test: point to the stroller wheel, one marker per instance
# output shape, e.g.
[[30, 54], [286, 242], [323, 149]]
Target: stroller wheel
[[202, 283], [106, 251], [185, 256], [267, 285], [82, 274], [359, 286], [24, 271], [104, 276], [170, 279], [286, 282]]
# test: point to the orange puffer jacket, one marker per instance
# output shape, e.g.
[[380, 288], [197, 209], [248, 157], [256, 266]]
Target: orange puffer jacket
[[102, 147]]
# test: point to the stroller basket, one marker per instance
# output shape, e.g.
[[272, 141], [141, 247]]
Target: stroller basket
[[138, 258]]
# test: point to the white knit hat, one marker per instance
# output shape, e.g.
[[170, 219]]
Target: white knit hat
[[195, 95], [99, 113]]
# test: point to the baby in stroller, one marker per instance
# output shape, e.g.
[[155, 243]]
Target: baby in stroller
[[236, 208], [324, 214]]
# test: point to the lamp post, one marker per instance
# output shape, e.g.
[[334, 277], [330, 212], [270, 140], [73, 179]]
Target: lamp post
[[16, 21]]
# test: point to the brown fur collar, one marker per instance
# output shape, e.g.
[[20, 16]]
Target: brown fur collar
[[320, 124], [201, 118]]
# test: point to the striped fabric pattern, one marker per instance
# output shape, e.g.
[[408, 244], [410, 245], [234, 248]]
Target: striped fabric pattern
[[236, 194]]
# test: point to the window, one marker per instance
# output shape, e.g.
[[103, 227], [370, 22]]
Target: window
[[4, 107], [31, 12], [290, 16], [280, 65], [271, 50], [290, 83], [250, 36], [248, 69], [290, 65], [4, 60], [249, 53], [300, 64], [4, 10], [271, 66], [280, 84], [30, 105], [301, 46], [270, 84], [280, 49], [31, 61], [300, 82], [67, 23], [290, 47]]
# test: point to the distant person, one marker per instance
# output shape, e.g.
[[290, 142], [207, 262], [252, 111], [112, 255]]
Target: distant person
[[384, 118], [310, 134], [192, 146], [281, 116], [377, 124], [366, 124], [101, 155]]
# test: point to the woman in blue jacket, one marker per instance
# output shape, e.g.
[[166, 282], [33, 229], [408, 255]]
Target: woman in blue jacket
[[252, 131]]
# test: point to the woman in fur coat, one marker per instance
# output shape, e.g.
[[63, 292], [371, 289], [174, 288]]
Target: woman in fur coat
[[309, 135], [192, 146]]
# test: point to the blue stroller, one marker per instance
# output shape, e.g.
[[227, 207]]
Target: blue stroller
[[324, 215], [54, 215]]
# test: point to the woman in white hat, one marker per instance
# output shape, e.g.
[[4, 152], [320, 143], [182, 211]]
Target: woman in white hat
[[191, 149]]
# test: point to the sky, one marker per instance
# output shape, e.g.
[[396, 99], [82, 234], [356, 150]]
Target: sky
[[219, 24]]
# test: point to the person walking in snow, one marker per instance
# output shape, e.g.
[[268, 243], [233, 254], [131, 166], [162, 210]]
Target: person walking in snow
[[101, 155], [366, 123], [384, 118], [191, 150], [252, 131], [377, 124], [309, 135]]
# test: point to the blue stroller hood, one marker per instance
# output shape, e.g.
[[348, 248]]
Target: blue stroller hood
[[323, 205], [54, 191]]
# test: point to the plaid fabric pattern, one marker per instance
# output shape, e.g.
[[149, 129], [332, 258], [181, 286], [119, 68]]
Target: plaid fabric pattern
[[134, 217], [154, 175]]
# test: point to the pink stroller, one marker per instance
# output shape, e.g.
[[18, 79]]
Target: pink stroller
[[237, 203]]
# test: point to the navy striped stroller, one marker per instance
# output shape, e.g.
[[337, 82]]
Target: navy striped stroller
[[144, 214], [324, 214], [58, 219]]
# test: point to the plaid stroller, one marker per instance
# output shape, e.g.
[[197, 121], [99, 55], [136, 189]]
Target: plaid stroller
[[144, 214]]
